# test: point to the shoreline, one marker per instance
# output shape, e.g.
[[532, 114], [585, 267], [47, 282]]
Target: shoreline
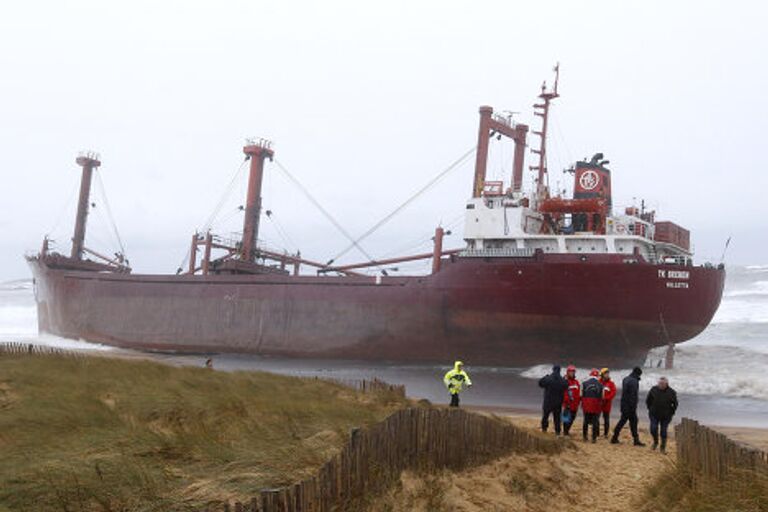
[[756, 437], [497, 390]]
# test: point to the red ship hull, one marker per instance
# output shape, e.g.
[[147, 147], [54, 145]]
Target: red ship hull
[[498, 311]]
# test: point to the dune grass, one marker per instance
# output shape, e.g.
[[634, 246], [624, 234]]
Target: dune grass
[[675, 491], [105, 434]]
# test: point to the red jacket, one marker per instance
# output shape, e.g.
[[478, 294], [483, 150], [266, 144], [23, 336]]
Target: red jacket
[[592, 395], [609, 393], [572, 395]]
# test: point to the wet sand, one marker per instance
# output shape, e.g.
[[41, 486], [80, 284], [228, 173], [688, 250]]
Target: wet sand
[[757, 437]]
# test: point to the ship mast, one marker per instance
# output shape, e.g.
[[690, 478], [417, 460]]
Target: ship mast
[[88, 161], [493, 124], [257, 151], [542, 110]]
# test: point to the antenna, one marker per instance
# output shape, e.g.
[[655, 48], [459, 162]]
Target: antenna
[[556, 69], [542, 110]]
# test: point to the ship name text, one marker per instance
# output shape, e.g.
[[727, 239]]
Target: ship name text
[[674, 274]]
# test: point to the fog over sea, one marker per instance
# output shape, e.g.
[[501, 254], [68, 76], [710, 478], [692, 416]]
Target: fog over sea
[[722, 375]]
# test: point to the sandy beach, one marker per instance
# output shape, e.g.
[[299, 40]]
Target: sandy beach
[[615, 476], [757, 437]]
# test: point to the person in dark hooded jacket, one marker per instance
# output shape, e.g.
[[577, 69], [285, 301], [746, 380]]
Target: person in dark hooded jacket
[[554, 386], [592, 404], [630, 388], [662, 404]]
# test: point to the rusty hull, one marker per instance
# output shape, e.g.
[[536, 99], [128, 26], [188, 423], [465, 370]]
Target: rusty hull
[[594, 310]]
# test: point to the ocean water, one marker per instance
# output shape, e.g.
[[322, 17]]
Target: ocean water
[[730, 358], [722, 374], [18, 319]]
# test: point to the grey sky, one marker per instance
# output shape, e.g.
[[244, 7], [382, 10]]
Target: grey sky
[[367, 101]]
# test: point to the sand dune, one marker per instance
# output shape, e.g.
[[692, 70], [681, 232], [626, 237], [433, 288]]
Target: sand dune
[[585, 476]]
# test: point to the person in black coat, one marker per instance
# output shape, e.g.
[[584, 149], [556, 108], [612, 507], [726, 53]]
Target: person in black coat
[[554, 386], [630, 388], [662, 404]]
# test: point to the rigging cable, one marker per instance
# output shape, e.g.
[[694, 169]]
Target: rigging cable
[[214, 214], [65, 206], [224, 197], [562, 139], [355, 243], [287, 240], [415, 244], [111, 219], [408, 201]]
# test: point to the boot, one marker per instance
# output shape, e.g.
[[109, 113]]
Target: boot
[[638, 442], [655, 443], [615, 439], [663, 445]]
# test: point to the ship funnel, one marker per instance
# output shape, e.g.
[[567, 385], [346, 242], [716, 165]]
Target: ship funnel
[[592, 180]]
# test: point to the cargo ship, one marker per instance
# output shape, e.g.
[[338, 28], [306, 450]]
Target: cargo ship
[[541, 277]]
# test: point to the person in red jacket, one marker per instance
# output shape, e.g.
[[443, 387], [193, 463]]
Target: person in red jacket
[[609, 393], [571, 399], [592, 404]]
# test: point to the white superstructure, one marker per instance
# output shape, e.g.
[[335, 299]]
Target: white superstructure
[[502, 225]]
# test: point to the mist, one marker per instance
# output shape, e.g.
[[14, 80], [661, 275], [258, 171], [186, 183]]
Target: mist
[[366, 102]]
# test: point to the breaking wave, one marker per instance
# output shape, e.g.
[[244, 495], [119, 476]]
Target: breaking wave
[[18, 319], [737, 372], [730, 358]]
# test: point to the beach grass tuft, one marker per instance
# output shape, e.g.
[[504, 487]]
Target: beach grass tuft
[[675, 491], [96, 433]]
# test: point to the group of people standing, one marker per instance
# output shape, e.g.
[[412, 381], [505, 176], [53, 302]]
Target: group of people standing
[[564, 395]]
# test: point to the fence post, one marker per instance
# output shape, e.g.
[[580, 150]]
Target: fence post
[[409, 438], [708, 454]]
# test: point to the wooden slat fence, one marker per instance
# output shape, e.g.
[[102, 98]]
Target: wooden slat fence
[[368, 386], [708, 454], [18, 348], [414, 438]]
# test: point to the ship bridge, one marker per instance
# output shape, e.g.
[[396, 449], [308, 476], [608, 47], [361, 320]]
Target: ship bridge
[[504, 226], [513, 223]]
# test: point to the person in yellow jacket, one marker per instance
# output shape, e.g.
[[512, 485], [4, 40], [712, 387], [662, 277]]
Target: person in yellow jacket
[[455, 380]]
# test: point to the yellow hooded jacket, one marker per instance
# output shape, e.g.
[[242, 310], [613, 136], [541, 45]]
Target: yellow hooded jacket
[[455, 379]]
